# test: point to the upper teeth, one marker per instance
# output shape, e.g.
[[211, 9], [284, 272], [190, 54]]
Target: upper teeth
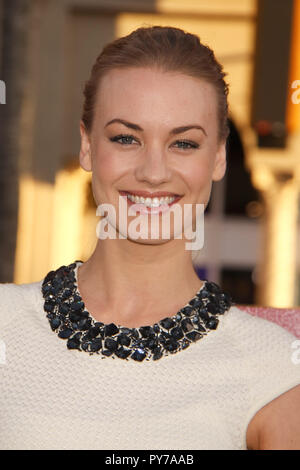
[[152, 202]]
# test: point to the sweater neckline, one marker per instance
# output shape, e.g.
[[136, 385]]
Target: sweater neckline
[[65, 310]]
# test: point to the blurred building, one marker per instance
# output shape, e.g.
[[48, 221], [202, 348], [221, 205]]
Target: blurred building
[[251, 226]]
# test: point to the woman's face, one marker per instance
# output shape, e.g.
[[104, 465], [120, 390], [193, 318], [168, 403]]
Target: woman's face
[[148, 151]]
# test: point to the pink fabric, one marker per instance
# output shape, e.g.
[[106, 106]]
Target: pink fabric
[[288, 318]]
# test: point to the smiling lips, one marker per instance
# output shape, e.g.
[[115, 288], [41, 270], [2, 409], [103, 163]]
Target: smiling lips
[[158, 203]]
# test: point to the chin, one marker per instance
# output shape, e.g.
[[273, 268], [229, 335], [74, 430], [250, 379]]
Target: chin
[[149, 241]]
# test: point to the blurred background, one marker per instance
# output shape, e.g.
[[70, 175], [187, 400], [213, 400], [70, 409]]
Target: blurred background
[[47, 214]]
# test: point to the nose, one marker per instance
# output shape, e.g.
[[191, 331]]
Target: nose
[[153, 167]]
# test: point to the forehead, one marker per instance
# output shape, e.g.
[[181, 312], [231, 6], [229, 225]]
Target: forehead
[[149, 94]]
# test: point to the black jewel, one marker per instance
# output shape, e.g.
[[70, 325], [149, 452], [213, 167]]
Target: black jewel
[[65, 333], [186, 325], [200, 327], [212, 287], [124, 339], [123, 353], [77, 298], [185, 343], [212, 323], [74, 316], [157, 353], [49, 277], [203, 293], [195, 302], [163, 337], [111, 329], [177, 333], [212, 307], [94, 331], [167, 323], [77, 306], [49, 306], [194, 335], [95, 344], [74, 342], [69, 283], [84, 324], [66, 294], [150, 343], [126, 331], [68, 318], [107, 352], [171, 345], [46, 289], [111, 344], [55, 323], [187, 310], [146, 331], [85, 346], [139, 355], [202, 312], [54, 291], [226, 298], [64, 308], [135, 333]]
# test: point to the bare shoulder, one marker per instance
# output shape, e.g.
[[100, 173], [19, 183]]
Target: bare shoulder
[[276, 426]]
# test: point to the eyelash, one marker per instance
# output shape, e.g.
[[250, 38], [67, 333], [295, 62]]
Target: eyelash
[[122, 136]]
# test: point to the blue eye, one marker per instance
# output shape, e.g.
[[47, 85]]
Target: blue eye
[[125, 138], [191, 144]]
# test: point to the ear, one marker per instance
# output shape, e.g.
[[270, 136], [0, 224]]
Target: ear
[[85, 157], [220, 163]]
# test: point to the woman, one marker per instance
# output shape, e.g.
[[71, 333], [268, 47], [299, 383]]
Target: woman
[[130, 350]]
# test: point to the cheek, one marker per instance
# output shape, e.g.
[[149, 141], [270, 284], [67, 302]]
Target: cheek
[[103, 175], [199, 176], [106, 168]]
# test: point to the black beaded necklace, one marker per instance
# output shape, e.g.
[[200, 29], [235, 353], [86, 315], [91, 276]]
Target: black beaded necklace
[[69, 319]]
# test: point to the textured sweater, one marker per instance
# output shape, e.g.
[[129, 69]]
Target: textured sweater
[[202, 397]]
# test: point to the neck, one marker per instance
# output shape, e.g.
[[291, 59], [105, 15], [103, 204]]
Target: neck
[[129, 282]]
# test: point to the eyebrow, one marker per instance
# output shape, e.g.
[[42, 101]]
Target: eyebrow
[[176, 130]]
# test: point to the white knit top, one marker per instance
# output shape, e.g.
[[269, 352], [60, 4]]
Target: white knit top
[[202, 397]]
